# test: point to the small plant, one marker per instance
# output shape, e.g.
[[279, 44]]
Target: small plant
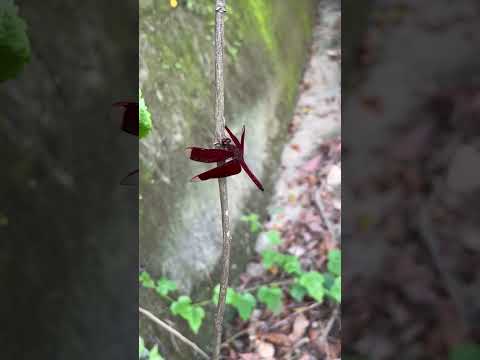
[[145, 354]]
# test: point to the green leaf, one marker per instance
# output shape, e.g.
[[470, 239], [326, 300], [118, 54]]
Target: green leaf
[[297, 292], [291, 264], [273, 237], [253, 222], [465, 352], [142, 350], [336, 290], [272, 297], [154, 355], [270, 258], [193, 314], [228, 297], [313, 282], [144, 117], [146, 281], [164, 286], [244, 303], [334, 264]]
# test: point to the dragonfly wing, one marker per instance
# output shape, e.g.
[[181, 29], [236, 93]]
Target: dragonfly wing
[[207, 155], [250, 174], [234, 138], [230, 168]]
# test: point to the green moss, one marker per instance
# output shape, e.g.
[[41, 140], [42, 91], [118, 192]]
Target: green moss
[[262, 12]]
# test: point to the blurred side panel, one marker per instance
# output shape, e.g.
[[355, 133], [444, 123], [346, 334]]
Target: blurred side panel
[[411, 185], [68, 228]]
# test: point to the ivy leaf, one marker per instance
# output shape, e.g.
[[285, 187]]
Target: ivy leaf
[[154, 355], [465, 352], [273, 237], [334, 264], [272, 297], [146, 280], [244, 303], [313, 282], [164, 286], [193, 314], [228, 298], [336, 290], [291, 264], [297, 292], [271, 258]]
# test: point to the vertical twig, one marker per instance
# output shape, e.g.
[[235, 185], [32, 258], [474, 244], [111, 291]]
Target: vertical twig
[[222, 182]]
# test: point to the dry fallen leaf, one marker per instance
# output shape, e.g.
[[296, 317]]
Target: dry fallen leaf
[[265, 350], [277, 339], [249, 356], [299, 326]]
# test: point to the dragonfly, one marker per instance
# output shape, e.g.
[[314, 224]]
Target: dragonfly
[[130, 125], [225, 150]]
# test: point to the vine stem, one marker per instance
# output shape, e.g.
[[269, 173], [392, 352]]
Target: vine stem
[[220, 9]]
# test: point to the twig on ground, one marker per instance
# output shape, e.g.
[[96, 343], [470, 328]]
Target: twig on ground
[[172, 331], [328, 328]]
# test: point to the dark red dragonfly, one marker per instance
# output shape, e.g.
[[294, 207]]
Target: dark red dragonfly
[[130, 117], [130, 124], [228, 150]]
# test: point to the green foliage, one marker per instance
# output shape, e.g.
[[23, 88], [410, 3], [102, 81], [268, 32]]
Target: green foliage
[[271, 258], [313, 281], [336, 290], [253, 222], [291, 264], [192, 313], [146, 281], [272, 297], [465, 352], [164, 286], [273, 237], [228, 297], [144, 353], [144, 117], [334, 264], [244, 302], [14, 43], [297, 292]]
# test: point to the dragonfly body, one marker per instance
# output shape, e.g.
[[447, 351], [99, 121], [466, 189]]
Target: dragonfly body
[[234, 151]]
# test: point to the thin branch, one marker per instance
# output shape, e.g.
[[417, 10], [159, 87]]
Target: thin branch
[[172, 331], [220, 9]]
